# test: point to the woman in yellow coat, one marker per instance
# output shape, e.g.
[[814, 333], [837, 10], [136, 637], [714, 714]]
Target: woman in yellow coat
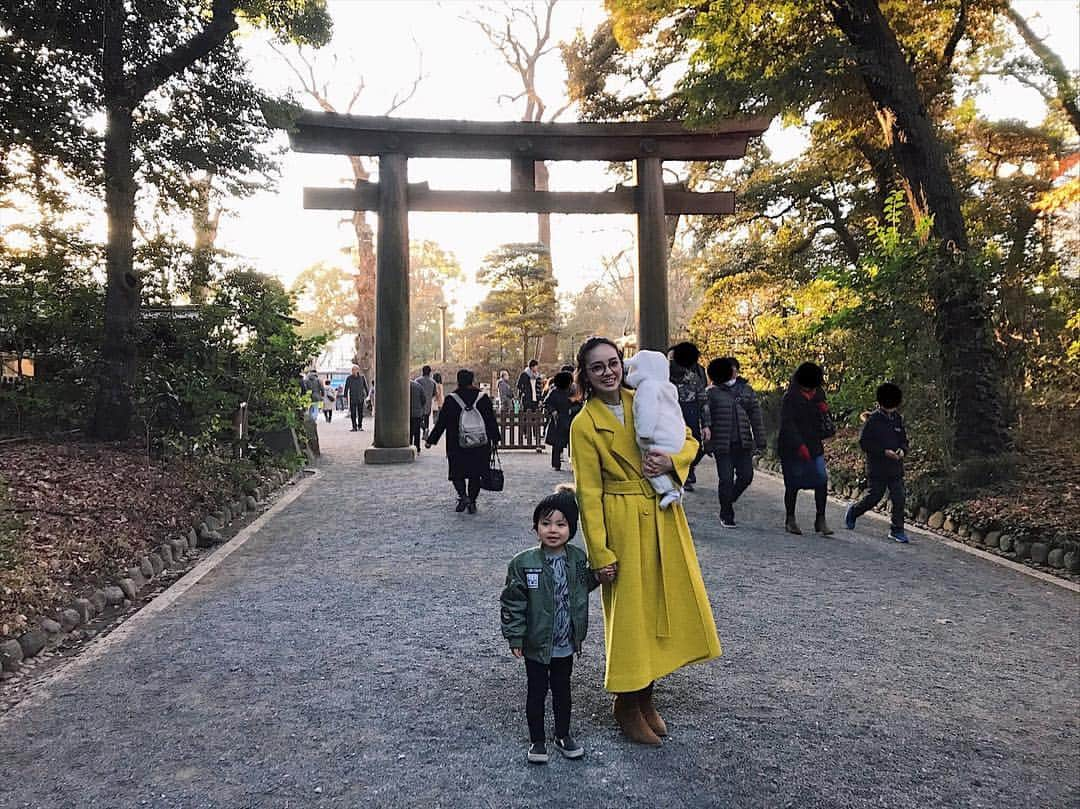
[[657, 616]]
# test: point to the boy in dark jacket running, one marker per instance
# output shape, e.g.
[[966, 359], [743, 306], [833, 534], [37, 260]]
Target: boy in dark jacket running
[[885, 443], [545, 615]]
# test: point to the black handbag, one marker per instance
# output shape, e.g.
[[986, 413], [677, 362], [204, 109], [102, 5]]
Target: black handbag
[[492, 480]]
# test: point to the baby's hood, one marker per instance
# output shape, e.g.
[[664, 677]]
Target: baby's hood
[[646, 365]]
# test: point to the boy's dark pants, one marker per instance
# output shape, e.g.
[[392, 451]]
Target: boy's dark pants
[[415, 424], [735, 468], [557, 676], [877, 487], [356, 413]]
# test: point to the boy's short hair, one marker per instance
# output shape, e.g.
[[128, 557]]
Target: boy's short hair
[[562, 500], [889, 395], [720, 370], [426, 370], [465, 378]]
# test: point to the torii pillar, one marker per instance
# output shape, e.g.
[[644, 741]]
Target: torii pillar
[[391, 442]]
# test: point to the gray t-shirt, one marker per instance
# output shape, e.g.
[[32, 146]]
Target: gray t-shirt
[[562, 642]]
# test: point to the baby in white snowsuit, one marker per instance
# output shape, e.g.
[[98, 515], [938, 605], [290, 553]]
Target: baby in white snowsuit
[[658, 419]]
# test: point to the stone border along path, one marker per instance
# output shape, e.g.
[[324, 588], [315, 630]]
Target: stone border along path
[[48, 642], [349, 654]]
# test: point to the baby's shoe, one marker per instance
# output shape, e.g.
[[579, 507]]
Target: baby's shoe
[[671, 497]]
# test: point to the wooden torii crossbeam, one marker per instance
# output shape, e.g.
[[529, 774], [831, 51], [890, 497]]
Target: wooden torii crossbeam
[[395, 140]]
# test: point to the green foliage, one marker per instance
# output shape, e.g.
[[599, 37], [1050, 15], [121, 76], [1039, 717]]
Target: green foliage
[[521, 304], [431, 271], [325, 296]]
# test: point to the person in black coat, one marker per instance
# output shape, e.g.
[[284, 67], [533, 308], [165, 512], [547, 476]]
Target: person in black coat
[[803, 413], [557, 405], [884, 440], [467, 465]]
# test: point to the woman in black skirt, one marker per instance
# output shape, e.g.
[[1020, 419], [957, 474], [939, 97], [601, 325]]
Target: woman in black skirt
[[557, 406], [467, 464]]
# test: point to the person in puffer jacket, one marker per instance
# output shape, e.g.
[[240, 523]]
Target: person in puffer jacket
[[801, 445], [734, 432]]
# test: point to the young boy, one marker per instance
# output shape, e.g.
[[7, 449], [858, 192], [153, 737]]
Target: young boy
[[885, 443], [545, 615]]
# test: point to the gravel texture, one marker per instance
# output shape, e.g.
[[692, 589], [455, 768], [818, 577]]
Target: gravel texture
[[349, 655]]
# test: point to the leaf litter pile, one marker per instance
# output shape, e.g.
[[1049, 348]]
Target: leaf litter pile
[[73, 515]]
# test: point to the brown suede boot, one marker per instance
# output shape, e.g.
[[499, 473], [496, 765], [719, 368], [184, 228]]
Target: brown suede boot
[[648, 711], [628, 714]]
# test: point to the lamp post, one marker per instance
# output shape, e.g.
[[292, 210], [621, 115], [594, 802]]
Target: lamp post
[[442, 332]]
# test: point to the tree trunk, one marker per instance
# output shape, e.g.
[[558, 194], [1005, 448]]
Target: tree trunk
[[969, 366], [365, 279], [112, 411], [205, 227]]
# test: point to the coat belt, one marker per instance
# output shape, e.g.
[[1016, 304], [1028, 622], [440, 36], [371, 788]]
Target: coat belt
[[640, 487]]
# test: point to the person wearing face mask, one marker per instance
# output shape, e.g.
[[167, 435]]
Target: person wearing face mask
[[735, 432]]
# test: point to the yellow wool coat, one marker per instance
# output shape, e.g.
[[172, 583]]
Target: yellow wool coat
[[657, 616]]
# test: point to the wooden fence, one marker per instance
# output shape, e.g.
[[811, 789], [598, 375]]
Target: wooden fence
[[523, 430]]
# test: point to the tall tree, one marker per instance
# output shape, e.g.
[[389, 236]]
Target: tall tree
[[312, 79], [1063, 89], [323, 295], [521, 32], [130, 54], [844, 61], [431, 271], [521, 303]]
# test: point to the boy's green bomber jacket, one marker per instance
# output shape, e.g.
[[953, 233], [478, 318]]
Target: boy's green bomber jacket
[[528, 601]]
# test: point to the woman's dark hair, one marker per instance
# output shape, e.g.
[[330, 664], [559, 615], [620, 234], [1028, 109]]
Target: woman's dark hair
[[564, 501], [685, 354], [562, 380], [582, 374], [465, 378], [809, 375], [720, 370], [889, 395]]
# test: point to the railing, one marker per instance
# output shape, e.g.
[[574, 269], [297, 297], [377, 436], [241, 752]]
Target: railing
[[522, 430]]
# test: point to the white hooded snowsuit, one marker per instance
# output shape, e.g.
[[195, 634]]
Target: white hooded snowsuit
[[658, 419]]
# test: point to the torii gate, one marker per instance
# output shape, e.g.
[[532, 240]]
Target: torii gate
[[395, 140]]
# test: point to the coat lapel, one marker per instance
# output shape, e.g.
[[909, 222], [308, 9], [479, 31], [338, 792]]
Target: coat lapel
[[623, 438]]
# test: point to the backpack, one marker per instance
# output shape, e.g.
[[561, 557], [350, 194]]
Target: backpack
[[472, 431]]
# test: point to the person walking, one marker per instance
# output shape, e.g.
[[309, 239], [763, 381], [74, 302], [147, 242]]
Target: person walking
[[314, 387], [557, 405], [505, 392], [528, 386], [544, 610], [884, 440], [429, 386], [688, 377], [436, 403], [468, 444], [805, 423], [657, 616], [734, 432], [418, 401], [356, 390], [328, 402]]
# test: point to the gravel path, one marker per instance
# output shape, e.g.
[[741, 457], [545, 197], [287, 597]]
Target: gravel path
[[349, 655]]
